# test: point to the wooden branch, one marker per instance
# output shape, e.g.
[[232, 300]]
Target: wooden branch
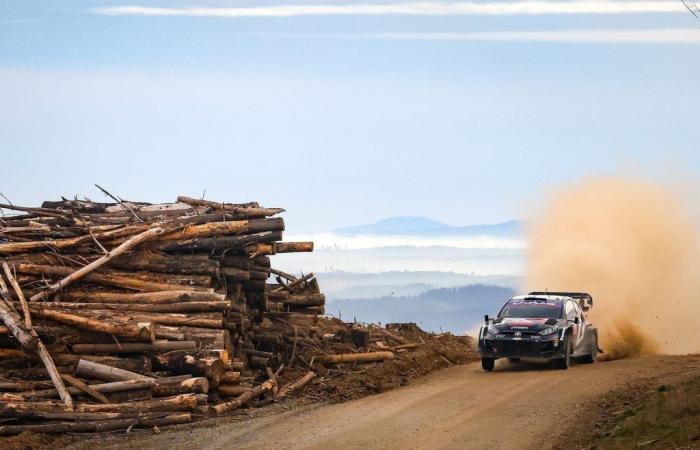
[[298, 384], [20, 294], [84, 387], [282, 274], [28, 338], [293, 247], [238, 210], [296, 283], [240, 400], [53, 373], [357, 357], [121, 203], [85, 270]]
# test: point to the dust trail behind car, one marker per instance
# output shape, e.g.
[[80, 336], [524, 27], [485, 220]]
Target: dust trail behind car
[[634, 246]]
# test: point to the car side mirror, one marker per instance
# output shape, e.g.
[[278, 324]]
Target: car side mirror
[[486, 318], [577, 320]]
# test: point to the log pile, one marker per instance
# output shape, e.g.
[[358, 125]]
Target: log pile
[[129, 314]]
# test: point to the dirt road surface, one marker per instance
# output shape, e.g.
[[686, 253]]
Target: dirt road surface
[[516, 407]]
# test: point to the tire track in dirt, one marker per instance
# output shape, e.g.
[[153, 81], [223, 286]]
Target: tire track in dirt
[[521, 406]]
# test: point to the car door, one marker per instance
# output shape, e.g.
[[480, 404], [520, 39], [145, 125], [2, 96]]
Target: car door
[[580, 342], [571, 315]]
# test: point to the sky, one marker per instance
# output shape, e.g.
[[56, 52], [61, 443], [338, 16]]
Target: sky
[[344, 112]]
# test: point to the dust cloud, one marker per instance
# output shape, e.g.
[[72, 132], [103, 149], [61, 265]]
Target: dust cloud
[[634, 247]]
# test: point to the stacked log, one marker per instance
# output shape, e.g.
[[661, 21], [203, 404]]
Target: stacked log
[[133, 314]]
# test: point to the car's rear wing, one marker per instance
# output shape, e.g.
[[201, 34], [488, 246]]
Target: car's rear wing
[[584, 299]]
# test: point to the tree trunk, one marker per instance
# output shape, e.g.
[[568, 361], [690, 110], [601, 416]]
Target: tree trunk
[[143, 331], [124, 282], [103, 372], [293, 247], [183, 363], [298, 384], [195, 385], [148, 298], [134, 347], [357, 357], [187, 307]]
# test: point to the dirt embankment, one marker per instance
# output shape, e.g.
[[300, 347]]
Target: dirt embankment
[[521, 406]]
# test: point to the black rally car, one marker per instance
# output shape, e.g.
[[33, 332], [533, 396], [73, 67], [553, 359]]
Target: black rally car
[[550, 325]]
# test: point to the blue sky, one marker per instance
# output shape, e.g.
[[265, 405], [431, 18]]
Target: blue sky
[[344, 112]]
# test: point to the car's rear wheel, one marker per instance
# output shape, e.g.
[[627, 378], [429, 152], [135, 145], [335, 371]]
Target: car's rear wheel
[[513, 360], [488, 363], [565, 362], [593, 355]]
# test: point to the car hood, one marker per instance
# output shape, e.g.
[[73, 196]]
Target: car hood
[[525, 324]]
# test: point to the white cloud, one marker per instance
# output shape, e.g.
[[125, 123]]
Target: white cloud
[[602, 36], [410, 8]]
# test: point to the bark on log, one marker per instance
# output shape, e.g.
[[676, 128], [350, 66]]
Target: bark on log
[[240, 400], [305, 300], [78, 384], [183, 402], [82, 426], [108, 280], [237, 210], [225, 228], [103, 388], [183, 363], [293, 247], [163, 297], [20, 295], [233, 391], [159, 262], [215, 243], [186, 307], [298, 384], [97, 371], [143, 331], [201, 320], [134, 347], [357, 357], [194, 385], [231, 378]]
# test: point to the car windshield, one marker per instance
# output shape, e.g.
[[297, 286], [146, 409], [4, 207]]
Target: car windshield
[[531, 310]]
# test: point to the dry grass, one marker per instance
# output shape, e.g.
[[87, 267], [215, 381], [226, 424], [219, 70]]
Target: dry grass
[[669, 419]]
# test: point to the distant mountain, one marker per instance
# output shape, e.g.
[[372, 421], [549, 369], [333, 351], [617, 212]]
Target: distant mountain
[[422, 226]]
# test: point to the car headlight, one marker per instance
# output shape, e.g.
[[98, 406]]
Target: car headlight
[[492, 330], [548, 331]]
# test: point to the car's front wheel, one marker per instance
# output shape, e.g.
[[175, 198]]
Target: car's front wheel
[[488, 364], [565, 362]]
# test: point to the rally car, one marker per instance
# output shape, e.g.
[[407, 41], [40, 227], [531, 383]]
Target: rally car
[[550, 325]]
